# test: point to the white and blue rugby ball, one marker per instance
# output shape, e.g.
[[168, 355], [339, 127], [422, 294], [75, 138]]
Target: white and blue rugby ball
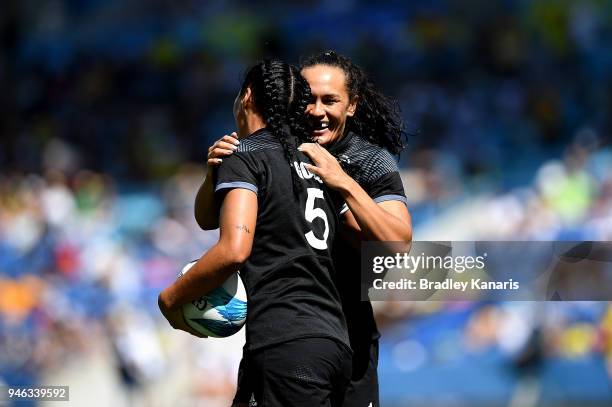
[[220, 313]]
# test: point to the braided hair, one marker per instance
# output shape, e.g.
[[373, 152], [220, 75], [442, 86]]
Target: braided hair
[[281, 95], [377, 118]]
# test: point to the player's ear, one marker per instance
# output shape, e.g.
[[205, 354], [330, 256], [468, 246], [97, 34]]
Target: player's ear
[[352, 107], [247, 97]]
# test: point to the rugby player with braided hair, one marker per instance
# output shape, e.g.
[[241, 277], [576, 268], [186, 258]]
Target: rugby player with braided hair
[[361, 128], [277, 223]]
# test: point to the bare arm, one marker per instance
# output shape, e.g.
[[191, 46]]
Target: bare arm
[[385, 221], [204, 209], [205, 213], [237, 227]]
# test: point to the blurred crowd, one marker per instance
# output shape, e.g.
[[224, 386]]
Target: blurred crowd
[[107, 111], [81, 266], [138, 89], [567, 198]]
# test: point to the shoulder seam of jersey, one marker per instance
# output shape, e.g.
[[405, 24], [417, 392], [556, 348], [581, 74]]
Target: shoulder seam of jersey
[[258, 142]]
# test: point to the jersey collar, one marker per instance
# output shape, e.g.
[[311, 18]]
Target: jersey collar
[[341, 145]]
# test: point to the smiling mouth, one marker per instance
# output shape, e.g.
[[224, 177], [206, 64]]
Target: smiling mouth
[[320, 128]]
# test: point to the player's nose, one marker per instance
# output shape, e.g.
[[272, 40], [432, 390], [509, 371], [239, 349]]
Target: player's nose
[[316, 109]]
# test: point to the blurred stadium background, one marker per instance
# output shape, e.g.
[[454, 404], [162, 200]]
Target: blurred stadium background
[[108, 107]]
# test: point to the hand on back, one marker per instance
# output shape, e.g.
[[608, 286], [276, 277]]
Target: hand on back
[[223, 147]]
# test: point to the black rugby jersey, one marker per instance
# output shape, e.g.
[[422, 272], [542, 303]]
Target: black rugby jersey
[[289, 274], [376, 171]]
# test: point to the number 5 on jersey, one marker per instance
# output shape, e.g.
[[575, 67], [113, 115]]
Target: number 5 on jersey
[[311, 213]]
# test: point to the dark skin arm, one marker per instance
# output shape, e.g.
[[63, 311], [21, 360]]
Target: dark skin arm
[[237, 227], [204, 205], [351, 230], [204, 210]]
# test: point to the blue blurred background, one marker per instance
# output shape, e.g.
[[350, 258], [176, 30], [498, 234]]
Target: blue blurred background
[[107, 110]]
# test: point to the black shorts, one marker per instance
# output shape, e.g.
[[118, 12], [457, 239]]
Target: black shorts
[[302, 372], [362, 391]]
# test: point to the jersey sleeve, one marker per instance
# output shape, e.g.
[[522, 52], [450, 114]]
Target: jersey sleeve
[[387, 187], [382, 181], [236, 171]]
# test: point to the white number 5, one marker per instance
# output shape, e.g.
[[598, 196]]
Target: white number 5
[[311, 213]]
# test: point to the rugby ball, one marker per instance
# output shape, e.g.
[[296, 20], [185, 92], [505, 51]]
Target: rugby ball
[[220, 313]]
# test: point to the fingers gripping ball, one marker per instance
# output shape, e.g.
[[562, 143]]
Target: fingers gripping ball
[[220, 313]]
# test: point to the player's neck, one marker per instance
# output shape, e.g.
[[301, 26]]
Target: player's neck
[[252, 123]]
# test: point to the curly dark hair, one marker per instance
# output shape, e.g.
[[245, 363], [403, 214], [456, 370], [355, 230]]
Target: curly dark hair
[[377, 117], [281, 95]]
